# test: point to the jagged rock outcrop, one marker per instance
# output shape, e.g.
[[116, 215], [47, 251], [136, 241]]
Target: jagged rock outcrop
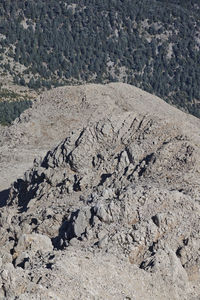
[[123, 188]]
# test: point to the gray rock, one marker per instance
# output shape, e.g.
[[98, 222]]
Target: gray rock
[[81, 222], [33, 242], [103, 213]]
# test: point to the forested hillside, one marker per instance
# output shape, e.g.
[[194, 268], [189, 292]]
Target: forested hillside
[[9, 111], [148, 43]]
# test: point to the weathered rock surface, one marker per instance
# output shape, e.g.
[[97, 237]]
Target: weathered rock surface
[[112, 211]]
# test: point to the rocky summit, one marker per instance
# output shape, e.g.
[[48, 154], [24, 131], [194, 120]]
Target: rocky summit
[[100, 198]]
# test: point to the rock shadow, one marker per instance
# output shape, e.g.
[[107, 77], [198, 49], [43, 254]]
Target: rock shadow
[[4, 197], [66, 232]]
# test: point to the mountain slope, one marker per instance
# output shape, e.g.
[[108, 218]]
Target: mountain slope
[[151, 44], [112, 210]]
